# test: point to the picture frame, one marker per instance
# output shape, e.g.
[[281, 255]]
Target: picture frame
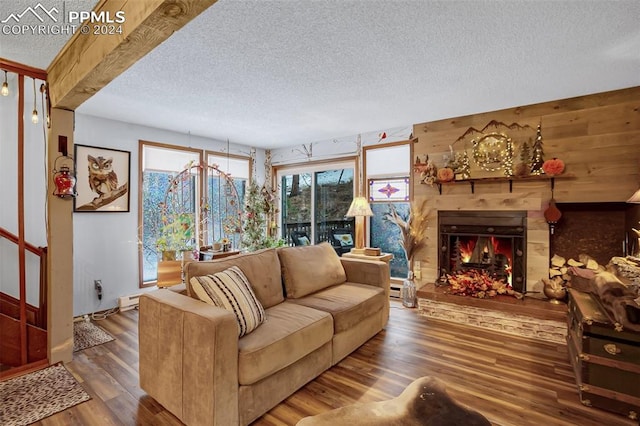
[[103, 177]]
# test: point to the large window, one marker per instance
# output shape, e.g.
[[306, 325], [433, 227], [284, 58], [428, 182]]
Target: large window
[[315, 199], [223, 221], [387, 168], [177, 194]]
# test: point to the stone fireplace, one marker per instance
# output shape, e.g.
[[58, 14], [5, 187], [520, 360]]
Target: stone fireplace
[[494, 241]]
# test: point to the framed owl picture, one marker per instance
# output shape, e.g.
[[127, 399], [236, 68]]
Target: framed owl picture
[[102, 179]]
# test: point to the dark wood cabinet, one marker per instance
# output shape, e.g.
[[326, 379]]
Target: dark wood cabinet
[[605, 358]]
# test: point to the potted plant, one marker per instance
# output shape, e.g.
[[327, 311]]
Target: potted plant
[[176, 234]]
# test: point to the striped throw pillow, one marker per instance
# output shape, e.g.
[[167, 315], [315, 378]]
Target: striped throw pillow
[[231, 290]]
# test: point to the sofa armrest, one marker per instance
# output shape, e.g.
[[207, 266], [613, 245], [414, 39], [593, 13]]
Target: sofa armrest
[[189, 357], [371, 272]]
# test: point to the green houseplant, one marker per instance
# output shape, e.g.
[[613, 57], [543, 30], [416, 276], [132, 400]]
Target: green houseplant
[[176, 234]]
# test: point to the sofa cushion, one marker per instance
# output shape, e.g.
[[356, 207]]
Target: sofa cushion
[[231, 290], [349, 304], [262, 269], [290, 332], [310, 268]]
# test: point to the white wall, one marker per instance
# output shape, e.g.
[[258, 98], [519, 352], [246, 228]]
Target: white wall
[[105, 244], [35, 186]]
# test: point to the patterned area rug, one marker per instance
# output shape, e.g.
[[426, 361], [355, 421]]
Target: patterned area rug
[[34, 396], [86, 334]]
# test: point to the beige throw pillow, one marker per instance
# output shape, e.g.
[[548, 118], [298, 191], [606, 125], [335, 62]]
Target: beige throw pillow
[[307, 269], [230, 289]]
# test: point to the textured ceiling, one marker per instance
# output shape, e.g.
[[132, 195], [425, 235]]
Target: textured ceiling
[[285, 72]]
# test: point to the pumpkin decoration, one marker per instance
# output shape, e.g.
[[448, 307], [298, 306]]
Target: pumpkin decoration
[[445, 174], [553, 167]]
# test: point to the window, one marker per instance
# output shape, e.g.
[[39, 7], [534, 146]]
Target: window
[[224, 206], [315, 199], [387, 168], [181, 210]]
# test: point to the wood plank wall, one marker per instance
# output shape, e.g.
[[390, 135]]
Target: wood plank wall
[[598, 138]]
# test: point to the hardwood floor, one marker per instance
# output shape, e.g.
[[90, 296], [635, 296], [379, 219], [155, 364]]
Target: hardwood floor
[[511, 380]]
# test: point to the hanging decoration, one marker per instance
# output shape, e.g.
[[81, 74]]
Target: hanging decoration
[[64, 179], [254, 235], [181, 227], [5, 85], [34, 113], [552, 215], [307, 152], [271, 199], [260, 208]]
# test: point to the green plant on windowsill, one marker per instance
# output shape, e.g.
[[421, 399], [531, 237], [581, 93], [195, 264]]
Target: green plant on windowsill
[[176, 234]]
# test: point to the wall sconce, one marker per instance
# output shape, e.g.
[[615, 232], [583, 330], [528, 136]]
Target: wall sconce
[[5, 85], [64, 180]]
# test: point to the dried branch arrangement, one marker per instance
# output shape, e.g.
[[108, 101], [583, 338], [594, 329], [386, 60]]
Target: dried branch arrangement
[[412, 228]]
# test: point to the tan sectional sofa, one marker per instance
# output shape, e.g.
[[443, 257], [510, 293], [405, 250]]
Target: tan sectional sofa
[[319, 308]]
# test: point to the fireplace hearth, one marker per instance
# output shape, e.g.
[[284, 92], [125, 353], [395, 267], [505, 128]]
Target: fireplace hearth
[[492, 241]]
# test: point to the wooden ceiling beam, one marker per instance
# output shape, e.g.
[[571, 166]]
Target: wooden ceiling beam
[[88, 62]]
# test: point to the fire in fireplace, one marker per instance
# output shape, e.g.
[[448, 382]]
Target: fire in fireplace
[[494, 254], [493, 241]]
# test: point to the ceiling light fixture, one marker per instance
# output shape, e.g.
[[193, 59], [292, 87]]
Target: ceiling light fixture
[[5, 85], [34, 115]]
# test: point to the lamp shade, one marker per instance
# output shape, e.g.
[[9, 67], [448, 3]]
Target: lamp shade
[[359, 207], [635, 198]]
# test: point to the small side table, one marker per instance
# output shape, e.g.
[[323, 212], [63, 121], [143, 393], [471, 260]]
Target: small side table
[[210, 254], [382, 257]]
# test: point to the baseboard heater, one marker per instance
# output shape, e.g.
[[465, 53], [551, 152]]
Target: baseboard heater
[[395, 290], [126, 303]]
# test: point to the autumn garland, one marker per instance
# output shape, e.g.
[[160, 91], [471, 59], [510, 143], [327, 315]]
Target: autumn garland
[[478, 283]]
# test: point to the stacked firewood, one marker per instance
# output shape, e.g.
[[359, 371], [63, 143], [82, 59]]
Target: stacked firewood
[[560, 271]]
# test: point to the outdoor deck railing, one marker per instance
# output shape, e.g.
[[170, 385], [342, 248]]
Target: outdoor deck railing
[[322, 229]]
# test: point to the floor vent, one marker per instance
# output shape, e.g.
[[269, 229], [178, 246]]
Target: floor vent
[[126, 303]]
